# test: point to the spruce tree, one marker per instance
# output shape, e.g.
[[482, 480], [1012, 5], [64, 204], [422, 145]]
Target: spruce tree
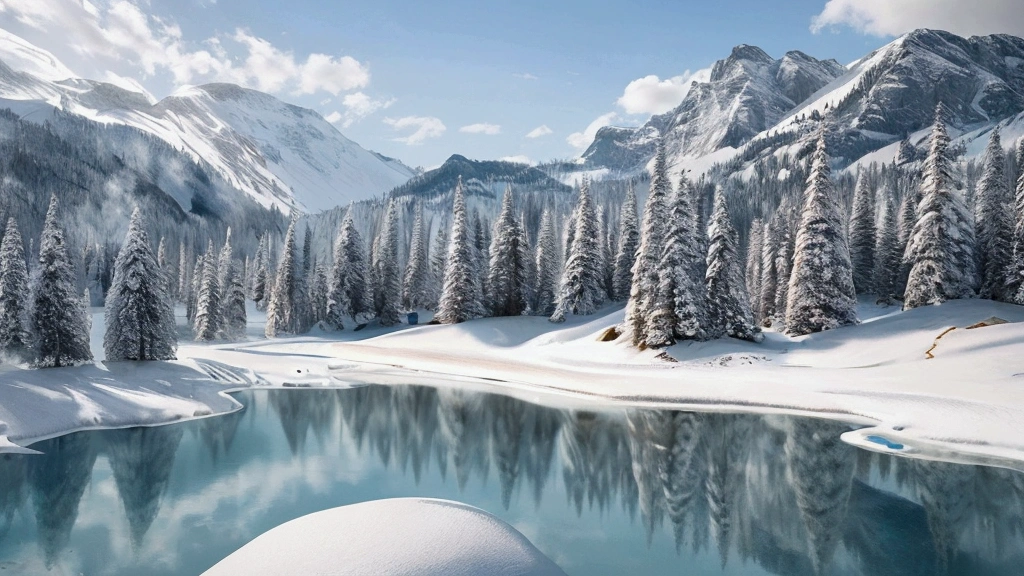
[[233, 305], [681, 313], [224, 265], [347, 286], [60, 321], [416, 284], [318, 293], [783, 264], [887, 256], [862, 235], [643, 292], [755, 249], [547, 264], [940, 250], [728, 303], [438, 259], [388, 286], [769, 275], [994, 224], [507, 277], [139, 313], [821, 293], [208, 323], [14, 295], [629, 241], [460, 293], [581, 291], [261, 277], [282, 315], [182, 290], [193, 289], [1015, 283]]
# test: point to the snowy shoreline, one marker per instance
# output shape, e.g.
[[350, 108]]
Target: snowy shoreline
[[966, 405]]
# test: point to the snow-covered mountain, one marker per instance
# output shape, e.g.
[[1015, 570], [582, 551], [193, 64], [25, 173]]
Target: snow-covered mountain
[[746, 93], [754, 107], [281, 155]]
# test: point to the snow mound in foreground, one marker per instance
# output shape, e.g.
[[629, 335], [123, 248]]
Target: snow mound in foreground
[[398, 537]]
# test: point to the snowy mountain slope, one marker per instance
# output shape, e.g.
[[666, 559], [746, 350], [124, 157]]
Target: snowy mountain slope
[[281, 155], [741, 115], [745, 94]]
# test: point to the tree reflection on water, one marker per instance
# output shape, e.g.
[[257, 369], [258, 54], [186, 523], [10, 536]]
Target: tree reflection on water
[[780, 493]]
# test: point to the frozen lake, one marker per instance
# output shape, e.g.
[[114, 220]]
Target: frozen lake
[[601, 493]]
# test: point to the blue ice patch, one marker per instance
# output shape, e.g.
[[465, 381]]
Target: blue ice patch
[[885, 442]]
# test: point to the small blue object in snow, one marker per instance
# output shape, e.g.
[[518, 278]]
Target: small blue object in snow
[[885, 442], [414, 318]]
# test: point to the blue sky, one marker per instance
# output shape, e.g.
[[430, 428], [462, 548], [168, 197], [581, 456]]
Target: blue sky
[[423, 80]]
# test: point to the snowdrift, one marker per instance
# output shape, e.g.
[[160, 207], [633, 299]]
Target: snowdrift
[[398, 537]]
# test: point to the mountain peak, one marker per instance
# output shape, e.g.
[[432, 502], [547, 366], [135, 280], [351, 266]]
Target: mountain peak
[[750, 53]]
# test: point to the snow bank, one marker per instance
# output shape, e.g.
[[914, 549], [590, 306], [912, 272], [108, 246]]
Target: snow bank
[[966, 404], [397, 537]]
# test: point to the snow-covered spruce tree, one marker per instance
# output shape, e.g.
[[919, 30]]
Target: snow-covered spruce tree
[[755, 248], [994, 224], [887, 255], [192, 296], [728, 304], [582, 291], [482, 242], [460, 293], [224, 266], [14, 295], [629, 241], [184, 280], [507, 277], [438, 259], [783, 266], [388, 285], [681, 313], [282, 314], [165, 269], [208, 324], [318, 294], [940, 251], [347, 286], [769, 275], [821, 293], [139, 315], [234, 316], [59, 320], [862, 235], [547, 263], [1015, 282], [907, 219], [416, 284], [261, 276], [643, 291]]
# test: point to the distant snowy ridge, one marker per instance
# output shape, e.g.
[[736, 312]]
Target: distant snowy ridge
[[279, 154], [754, 107]]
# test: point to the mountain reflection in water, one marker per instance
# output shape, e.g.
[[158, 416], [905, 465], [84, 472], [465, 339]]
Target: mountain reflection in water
[[608, 492]]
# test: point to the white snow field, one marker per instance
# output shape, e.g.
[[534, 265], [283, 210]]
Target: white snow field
[[966, 404], [397, 537]]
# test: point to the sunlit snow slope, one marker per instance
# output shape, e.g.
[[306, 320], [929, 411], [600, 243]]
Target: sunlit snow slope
[[281, 155]]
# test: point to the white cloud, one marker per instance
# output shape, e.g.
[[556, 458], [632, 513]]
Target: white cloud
[[481, 128], [526, 76], [652, 95], [358, 105], [422, 128], [895, 17], [518, 159], [118, 31], [581, 140], [539, 131]]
